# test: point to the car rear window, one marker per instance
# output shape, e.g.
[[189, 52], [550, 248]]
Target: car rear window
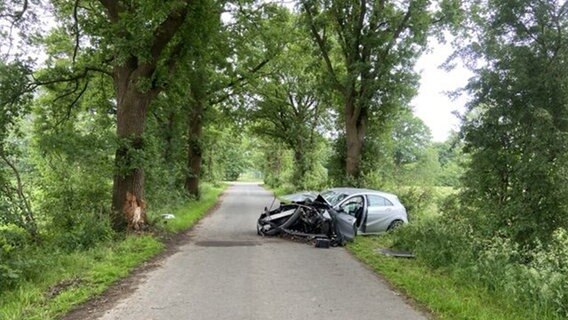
[[378, 201]]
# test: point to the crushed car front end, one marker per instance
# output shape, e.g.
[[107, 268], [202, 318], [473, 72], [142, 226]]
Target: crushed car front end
[[310, 220]]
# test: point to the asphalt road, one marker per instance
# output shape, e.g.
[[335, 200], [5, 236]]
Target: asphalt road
[[228, 272]]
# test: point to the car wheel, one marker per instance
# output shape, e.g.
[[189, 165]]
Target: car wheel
[[395, 224]]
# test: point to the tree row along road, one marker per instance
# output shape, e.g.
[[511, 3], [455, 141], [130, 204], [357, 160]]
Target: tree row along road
[[228, 272]]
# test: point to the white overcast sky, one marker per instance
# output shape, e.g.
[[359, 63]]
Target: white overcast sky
[[432, 104]]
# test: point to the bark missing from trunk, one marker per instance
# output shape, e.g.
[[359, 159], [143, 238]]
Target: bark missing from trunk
[[134, 212]]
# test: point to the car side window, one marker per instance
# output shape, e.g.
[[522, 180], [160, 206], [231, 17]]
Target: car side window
[[350, 206], [378, 201]]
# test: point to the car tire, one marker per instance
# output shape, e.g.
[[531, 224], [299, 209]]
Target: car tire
[[395, 224]]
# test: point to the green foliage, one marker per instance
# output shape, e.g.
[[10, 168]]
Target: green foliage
[[277, 165], [72, 166], [13, 239], [398, 152], [291, 105], [15, 98], [459, 244], [226, 152], [14, 95], [515, 133], [529, 277], [441, 292], [417, 200], [189, 213], [410, 138], [368, 66], [452, 161], [56, 281], [45, 282]]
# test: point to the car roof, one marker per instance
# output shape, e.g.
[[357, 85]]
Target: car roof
[[350, 191]]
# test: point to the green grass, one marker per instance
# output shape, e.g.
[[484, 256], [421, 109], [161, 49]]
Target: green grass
[[188, 215], [68, 279], [437, 291]]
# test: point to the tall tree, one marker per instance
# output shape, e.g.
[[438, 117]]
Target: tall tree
[[137, 43], [224, 60], [517, 129], [368, 49], [143, 36], [291, 106]]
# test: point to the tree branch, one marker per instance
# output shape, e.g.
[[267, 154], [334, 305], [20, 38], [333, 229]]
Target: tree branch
[[76, 29], [322, 46], [167, 29], [78, 76], [403, 24], [30, 226], [73, 103], [16, 16], [236, 81], [359, 27], [114, 9]]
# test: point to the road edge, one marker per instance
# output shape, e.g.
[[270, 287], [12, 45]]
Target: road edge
[[95, 307]]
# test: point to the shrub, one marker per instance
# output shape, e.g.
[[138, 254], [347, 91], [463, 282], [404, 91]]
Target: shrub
[[417, 200], [12, 240], [439, 244], [85, 231], [535, 276]]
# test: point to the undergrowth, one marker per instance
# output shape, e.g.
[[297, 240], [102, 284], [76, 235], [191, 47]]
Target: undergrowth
[[441, 291]]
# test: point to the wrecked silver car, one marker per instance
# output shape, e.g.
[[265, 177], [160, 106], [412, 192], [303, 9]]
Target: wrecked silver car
[[336, 214], [310, 218]]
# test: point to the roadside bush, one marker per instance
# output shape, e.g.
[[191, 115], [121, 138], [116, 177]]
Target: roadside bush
[[438, 243], [417, 200], [12, 240], [84, 232], [535, 276]]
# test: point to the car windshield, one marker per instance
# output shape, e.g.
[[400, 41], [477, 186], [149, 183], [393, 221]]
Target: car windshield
[[333, 197]]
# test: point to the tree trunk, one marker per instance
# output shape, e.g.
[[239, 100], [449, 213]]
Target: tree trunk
[[132, 107], [300, 168], [355, 125], [168, 149], [194, 150]]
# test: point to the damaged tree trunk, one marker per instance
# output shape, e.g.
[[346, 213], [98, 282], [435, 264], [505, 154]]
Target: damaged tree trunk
[[132, 107], [136, 85]]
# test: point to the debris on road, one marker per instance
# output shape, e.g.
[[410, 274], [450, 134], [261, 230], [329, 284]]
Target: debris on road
[[396, 253]]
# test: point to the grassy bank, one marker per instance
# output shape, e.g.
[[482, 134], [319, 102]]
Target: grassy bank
[[66, 279], [437, 291]]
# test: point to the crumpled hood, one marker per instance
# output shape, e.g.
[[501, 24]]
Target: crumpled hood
[[300, 196]]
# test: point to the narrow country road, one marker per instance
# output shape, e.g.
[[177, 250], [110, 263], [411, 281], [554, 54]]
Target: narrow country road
[[228, 272]]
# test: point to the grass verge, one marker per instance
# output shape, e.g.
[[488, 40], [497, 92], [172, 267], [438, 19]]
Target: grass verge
[[436, 291], [68, 279]]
